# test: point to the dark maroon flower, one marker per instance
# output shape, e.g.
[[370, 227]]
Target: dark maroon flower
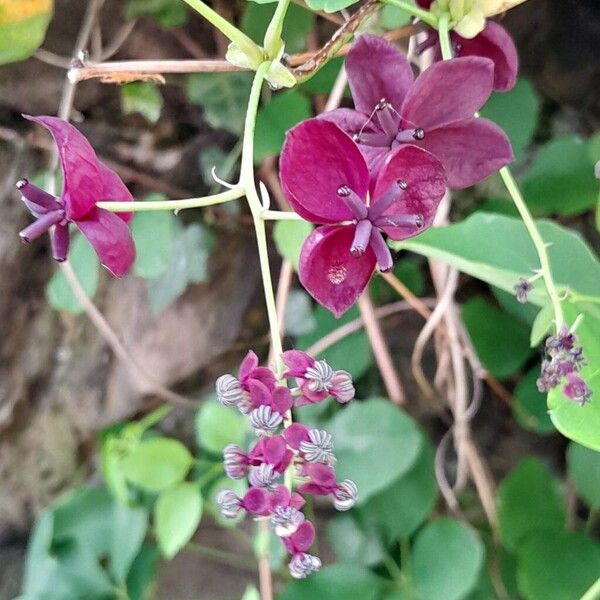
[[273, 451], [326, 179], [302, 539], [282, 497], [322, 482], [577, 389], [494, 42], [316, 379], [86, 181], [434, 111]]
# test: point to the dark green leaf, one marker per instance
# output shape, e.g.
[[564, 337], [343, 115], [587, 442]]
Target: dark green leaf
[[143, 98], [299, 318], [352, 544], [584, 471], [289, 237], [142, 573], [530, 407], [330, 5], [167, 13]]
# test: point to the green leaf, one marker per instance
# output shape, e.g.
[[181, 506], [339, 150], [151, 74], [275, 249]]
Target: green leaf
[[557, 566], [321, 83], [298, 24], [352, 544], [583, 467], [23, 26], [85, 263], [530, 408], [299, 318], [561, 179], [289, 237], [157, 464], [501, 342], [478, 247], [167, 13], [142, 573], [353, 353], [153, 233], [218, 425], [337, 582], [542, 325], [525, 313], [223, 96], [191, 251], [366, 435], [177, 513], [275, 118], [402, 507], [529, 500], [143, 98], [447, 560], [330, 5], [392, 17], [517, 112], [251, 593]]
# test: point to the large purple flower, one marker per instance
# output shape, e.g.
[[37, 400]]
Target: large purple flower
[[434, 111], [86, 181], [494, 42], [326, 180]]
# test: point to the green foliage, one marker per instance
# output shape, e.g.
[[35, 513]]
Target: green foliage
[[501, 342], [289, 237], [561, 179], [177, 513], [330, 5], [530, 405], [583, 467], [83, 547], [353, 353], [167, 13], [85, 263], [366, 435], [23, 28], [218, 425], [517, 112], [392, 17], [447, 560], [322, 82], [223, 96], [143, 98], [157, 464], [352, 544], [529, 501], [299, 318], [557, 565], [275, 118], [337, 582]]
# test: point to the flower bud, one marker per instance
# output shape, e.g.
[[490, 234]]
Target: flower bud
[[229, 390], [286, 520], [320, 376], [319, 448], [229, 503], [235, 461], [345, 495], [263, 476], [265, 420], [302, 565], [342, 387]]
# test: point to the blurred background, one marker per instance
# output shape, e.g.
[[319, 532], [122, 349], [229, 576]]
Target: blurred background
[[193, 306]]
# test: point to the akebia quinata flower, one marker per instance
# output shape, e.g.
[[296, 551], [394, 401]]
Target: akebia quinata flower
[[86, 180], [435, 111], [326, 180], [492, 42]]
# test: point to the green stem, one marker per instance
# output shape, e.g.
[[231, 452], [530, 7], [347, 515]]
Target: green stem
[[538, 242], [444, 36], [273, 42], [280, 215], [593, 593], [156, 416], [410, 8], [227, 29], [229, 558], [234, 193]]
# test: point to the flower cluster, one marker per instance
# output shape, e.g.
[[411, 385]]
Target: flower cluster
[[564, 359], [383, 167], [86, 181], [309, 452]]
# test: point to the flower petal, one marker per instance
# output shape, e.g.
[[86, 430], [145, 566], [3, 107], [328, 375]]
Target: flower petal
[[296, 362], [302, 539], [114, 190], [470, 150], [83, 183], [317, 159], [495, 43], [376, 70], [248, 365], [426, 180], [295, 434], [330, 273], [448, 91], [111, 239]]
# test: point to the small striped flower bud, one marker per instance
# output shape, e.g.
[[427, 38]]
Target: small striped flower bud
[[286, 520], [345, 495], [235, 461], [342, 388], [229, 390], [320, 376], [265, 420], [319, 448], [229, 504], [263, 476], [302, 565]]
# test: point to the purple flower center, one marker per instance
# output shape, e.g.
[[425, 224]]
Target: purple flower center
[[370, 221], [390, 134]]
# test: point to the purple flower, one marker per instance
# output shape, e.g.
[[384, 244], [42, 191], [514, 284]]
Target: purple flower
[[522, 289], [326, 179], [86, 181], [322, 482], [316, 379], [434, 111], [273, 451], [302, 565], [577, 389], [494, 42], [302, 539]]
